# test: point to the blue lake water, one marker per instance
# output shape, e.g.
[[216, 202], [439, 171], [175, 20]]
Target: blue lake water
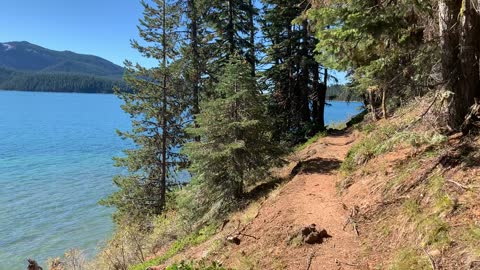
[[56, 163]]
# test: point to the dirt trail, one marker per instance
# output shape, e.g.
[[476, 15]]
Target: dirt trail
[[309, 198]]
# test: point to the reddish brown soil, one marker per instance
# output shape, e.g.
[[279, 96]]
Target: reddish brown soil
[[311, 197]]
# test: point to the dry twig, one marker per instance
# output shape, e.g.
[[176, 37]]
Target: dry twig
[[432, 261], [458, 184], [353, 220], [310, 259]]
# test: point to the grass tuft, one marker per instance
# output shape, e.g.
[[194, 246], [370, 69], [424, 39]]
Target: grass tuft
[[310, 141], [410, 259], [196, 266], [471, 237], [178, 246]]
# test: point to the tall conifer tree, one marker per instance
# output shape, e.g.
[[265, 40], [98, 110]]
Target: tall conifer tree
[[233, 22], [156, 107], [293, 71], [236, 146]]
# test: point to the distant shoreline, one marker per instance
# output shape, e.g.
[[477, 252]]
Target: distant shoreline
[[58, 92], [112, 93]]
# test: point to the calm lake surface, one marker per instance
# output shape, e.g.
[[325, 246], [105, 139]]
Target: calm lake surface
[[56, 163]]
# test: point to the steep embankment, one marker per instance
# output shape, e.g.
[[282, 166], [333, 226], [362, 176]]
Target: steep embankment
[[394, 194]]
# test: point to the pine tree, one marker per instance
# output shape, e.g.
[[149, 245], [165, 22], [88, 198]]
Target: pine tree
[[193, 54], [380, 44], [293, 71], [233, 22], [156, 106], [236, 148]]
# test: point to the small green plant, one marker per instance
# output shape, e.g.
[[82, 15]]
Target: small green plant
[[196, 266], [248, 262], [374, 144], [435, 232], [412, 209], [251, 212], [295, 241], [409, 259], [312, 140], [471, 237], [367, 128], [178, 246], [338, 125], [384, 139], [404, 172]]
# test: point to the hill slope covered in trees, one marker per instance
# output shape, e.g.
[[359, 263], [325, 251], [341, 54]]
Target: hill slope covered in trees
[[25, 66]]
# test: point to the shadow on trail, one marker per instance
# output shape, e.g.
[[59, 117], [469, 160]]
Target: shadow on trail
[[316, 165], [265, 188]]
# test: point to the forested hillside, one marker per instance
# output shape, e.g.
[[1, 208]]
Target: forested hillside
[[57, 82], [344, 93], [242, 83], [25, 66]]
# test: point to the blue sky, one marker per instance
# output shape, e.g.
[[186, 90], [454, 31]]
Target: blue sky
[[99, 27]]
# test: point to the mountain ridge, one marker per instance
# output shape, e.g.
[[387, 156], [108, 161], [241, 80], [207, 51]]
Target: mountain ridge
[[30, 67], [15, 54]]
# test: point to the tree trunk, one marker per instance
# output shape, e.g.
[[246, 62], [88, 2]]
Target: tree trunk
[[322, 96], [289, 97], [449, 41], [163, 180], [251, 25], [316, 93], [371, 100], [230, 30], [305, 78], [384, 102], [193, 14], [469, 53]]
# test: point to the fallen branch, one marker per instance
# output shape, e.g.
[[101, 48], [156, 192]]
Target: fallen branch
[[309, 259], [248, 235], [234, 237], [432, 261], [345, 263], [225, 222], [458, 184], [429, 107]]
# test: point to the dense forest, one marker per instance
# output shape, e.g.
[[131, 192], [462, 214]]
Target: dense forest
[[239, 82], [342, 92], [57, 82]]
